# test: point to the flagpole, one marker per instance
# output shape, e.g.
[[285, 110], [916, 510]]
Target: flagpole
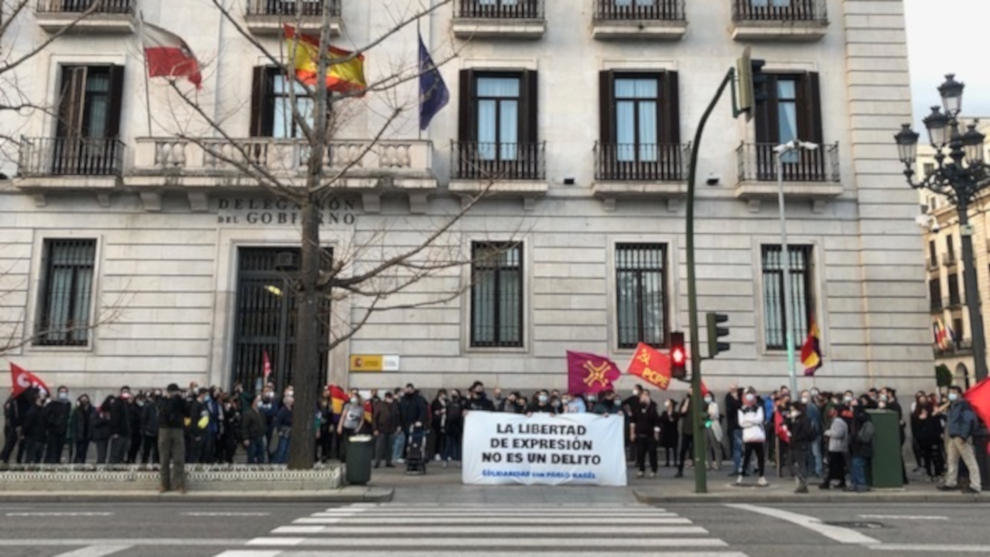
[[144, 59]]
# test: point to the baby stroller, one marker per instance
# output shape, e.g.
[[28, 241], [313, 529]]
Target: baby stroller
[[416, 450]]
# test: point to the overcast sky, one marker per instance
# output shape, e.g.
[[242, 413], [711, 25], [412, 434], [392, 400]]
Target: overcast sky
[[948, 36]]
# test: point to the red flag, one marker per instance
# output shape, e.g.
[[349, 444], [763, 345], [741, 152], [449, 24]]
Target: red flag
[[811, 352], [22, 380], [979, 398], [338, 398], [651, 365], [168, 55], [266, 364], [367, 410], [588, 373]]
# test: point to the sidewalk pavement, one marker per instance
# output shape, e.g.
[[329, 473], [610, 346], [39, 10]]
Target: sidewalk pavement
[[349, 494]]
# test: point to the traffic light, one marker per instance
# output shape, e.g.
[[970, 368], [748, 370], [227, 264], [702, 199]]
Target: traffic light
[[715, 333], [678, 355], [751, 83]]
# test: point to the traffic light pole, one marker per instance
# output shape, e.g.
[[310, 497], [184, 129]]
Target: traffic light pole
[[697, 402]]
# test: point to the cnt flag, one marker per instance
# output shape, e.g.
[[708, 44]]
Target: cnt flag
[[588, 373], [345, 73], [811, 352], [266, 364], [433, 92], [338, 397], [652, 365], [168, 55], [22, 380]]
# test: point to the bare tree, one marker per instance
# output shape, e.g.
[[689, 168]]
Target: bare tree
[[369, 270]]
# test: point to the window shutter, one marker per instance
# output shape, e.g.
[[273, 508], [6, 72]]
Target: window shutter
[[813, 108], [606, 109], [466, 117], [116, 100], [529, 121], [70, 110], [262, 108], [670, 121], [766, 114]]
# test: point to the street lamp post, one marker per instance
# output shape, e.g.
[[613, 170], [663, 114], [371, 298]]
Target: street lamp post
[[785, 256], [960, 175]]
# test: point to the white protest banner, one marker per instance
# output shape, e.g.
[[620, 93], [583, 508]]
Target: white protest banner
[[504, 448]]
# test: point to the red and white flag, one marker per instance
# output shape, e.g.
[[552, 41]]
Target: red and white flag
[[22, 380], [266, 364], [168, 55]]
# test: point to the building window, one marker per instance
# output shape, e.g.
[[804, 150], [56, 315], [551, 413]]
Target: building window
[[929, 168], [641, 294], [953, 280], [792, 110], [935, 293], [639, 127], [957, 330], [497, 103], [496, 294], [950, 248], [774, 311], [66, 292], [88, 120], [271, 105], [932, 254]]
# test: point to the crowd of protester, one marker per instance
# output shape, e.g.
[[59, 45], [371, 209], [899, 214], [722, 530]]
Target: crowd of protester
[[826, 435]]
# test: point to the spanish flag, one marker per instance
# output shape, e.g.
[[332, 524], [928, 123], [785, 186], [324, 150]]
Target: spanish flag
[[811, 352], [338, 397], [345, 72]]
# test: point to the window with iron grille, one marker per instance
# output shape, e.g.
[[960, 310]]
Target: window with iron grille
[[774, 311], [67, 290], [641, 294], [496, 294]]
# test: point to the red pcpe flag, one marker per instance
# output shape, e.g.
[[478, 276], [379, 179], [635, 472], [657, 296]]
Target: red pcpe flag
[[979, 398], [168, 55], [651, 365], [22, 380]]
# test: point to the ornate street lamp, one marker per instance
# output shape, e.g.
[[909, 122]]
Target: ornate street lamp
[[960, 175]]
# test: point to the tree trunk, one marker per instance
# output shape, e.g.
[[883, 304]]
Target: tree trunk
[[306, 369]]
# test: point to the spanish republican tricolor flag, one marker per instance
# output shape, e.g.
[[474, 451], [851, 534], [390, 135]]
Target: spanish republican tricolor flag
[[345, 72], [811, 352]]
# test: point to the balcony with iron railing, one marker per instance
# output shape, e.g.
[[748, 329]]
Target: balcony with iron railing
[[790, 20], [954, 301], [70, 157], [647, 19], [506, 19], [962, 347], [267, 17], [949, 259], [86, 16], [498, 168], [806, 174], [640, 170]]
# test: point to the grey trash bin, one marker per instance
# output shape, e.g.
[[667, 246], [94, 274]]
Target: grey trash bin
[[360, 449]]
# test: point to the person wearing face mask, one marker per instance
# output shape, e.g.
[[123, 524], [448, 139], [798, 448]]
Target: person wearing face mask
[[120, 426], [173, 413], [438, 424], [479, 401], [644, 432], [351, 422], [713, 431], [541, 405], [802, 435], [687, 413], [814, 454], [137, 409], [83, 420], [861, 446], [454, 428], [733, 402], [283, 428], [838, 443], [668, 431], [34, 431], [56, 416], [386, 424], [926, 430], [962, 425], [752, 421], [149, 428], [199, 420], [101, 429], [269, 408], [231, 430], [254, 432]]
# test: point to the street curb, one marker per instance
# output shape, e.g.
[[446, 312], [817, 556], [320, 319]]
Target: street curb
[[868, 497], [345, 495]]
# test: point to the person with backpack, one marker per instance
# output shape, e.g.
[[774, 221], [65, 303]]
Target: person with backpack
[[962, 424], [861, 448]]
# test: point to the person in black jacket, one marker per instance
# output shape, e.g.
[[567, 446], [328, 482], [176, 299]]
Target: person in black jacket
[[254, 433], [83, 422], [137, 406], [12, 418], [928, 431], [802, 435], [149, 428], [120, 426], [34, 431], [478, 400], [173, 411], [413, 408], [199, 419], [668, 431], [57, 425], [101, 429], [644, 432], [733, 402]]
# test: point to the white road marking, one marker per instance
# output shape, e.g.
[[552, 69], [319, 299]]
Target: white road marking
[[95, 551], [384, 521], [249, 553], [441, 516], [226, 514], [903, 517], [449, 542], [480, 520], [482, 532], [61, 514], [158, 542], [837, 533], [462, 553], [933, 548]]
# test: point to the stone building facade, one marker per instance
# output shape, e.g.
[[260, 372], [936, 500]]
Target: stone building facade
[[587, 105]]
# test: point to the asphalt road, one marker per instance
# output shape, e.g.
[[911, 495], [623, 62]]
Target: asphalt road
[[520, 528]]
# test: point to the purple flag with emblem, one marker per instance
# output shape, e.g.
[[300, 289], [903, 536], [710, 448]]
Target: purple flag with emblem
[[588, 373]]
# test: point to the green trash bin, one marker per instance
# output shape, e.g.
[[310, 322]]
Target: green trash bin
[[887, 464], [360, 450]]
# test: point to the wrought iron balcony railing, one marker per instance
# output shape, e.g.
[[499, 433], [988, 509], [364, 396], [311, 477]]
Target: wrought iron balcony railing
[[498, 161], [80, 6], [758, 162], [71, 156], [499, 9], [304, 8], [639, 10], [641, 162], [779, 10]]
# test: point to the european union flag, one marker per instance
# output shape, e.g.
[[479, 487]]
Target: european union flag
[[433, 92]]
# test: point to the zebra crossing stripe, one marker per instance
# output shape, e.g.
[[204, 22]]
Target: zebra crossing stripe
[[385, 521], [457, 542], [495, 530], [481, 551]]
